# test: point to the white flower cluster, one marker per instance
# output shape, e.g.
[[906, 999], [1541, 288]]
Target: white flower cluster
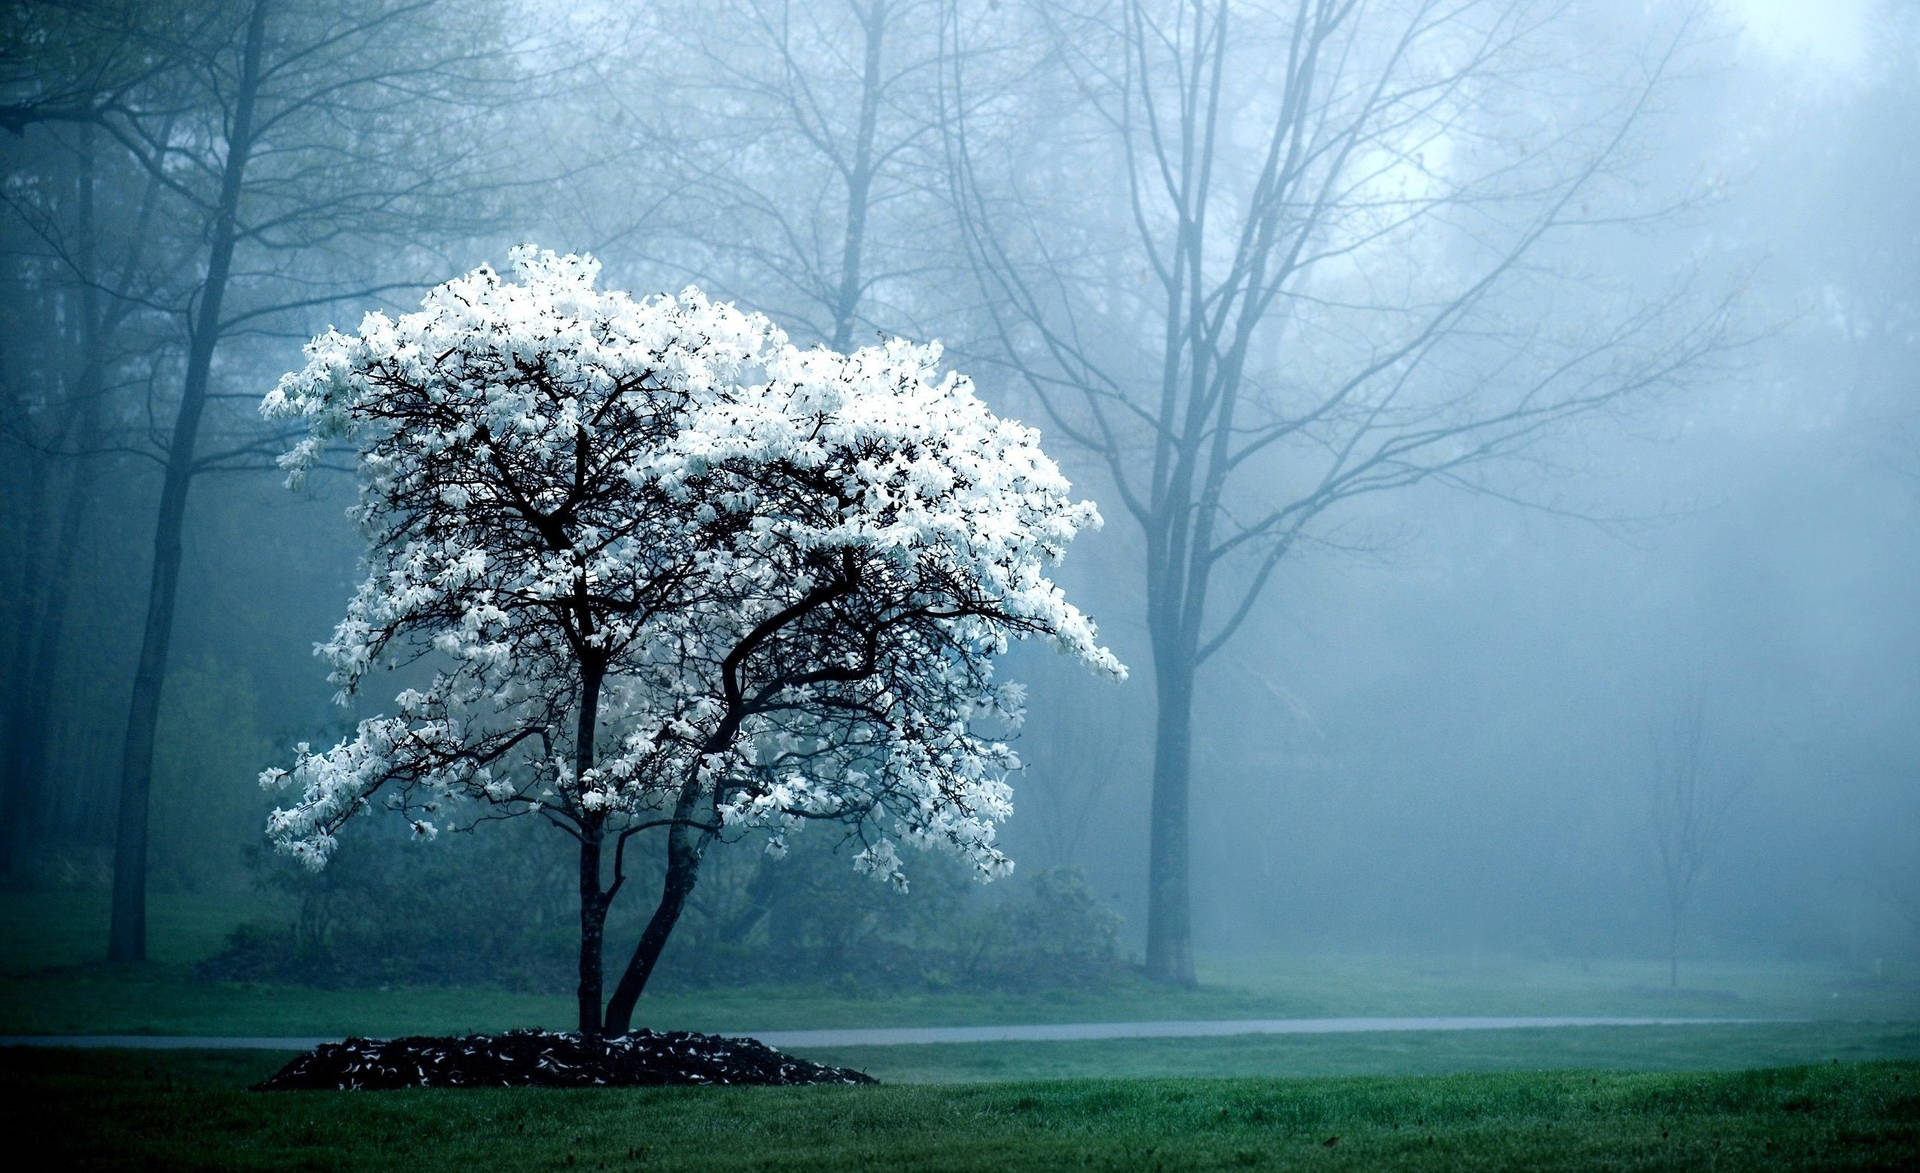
[[773, 578]]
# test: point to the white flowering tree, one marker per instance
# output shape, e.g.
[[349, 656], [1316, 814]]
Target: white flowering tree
[[658, 570]]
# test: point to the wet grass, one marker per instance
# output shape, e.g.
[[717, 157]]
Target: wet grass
[[167, 998], [1611, 987], [49, 984], [1653, 1048], [181, 1110], [1236, 1102]]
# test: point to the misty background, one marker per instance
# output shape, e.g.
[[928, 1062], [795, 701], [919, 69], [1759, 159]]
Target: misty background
[[1441, 729]]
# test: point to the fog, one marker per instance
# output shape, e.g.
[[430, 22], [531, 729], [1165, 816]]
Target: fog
[[1449, 721]]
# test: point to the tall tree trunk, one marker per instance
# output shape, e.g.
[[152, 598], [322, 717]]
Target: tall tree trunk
[[27, 574], [859, 180], [45, 605], [21, 724], [127, 934], [1169, 910], [34, 706], [1176, 592]]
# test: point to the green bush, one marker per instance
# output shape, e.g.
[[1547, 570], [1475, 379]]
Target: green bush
[[390, 912], [207, 802], [498, 908]]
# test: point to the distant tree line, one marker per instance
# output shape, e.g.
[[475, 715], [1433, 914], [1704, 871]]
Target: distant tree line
[[1256, 265]]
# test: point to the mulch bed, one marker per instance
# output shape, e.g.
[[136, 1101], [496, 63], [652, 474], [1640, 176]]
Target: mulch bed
[[535, 1058]]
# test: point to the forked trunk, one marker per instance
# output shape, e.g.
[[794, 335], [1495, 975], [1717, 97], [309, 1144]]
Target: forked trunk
[[685, 847]]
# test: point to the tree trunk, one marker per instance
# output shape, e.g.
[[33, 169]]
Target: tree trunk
[[593, 899], [1169, 909], [593, 926], [22, 723], [692, 827], [46, 604], [26, 764], [762, 891], [685, 848], [859, 181], [127, 935]]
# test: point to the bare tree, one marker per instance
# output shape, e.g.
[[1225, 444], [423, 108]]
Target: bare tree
[[80, 241], [1688, 805], [68, 63], [283, 137], [1264, 262], [789, 154], [80, 230]]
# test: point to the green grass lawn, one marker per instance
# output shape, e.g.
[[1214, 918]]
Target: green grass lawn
[[1637, 1048], [1413, 1100], [98, 1109], [51, 984]]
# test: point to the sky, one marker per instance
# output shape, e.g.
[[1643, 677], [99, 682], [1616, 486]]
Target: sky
[[1824, 34]]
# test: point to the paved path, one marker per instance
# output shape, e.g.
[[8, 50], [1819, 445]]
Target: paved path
[[1056, 1032], [894, 1036]]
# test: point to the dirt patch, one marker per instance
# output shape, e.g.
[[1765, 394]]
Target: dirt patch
[[534, 1058]]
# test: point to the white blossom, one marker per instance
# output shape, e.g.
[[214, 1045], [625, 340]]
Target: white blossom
[[790, 570]]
